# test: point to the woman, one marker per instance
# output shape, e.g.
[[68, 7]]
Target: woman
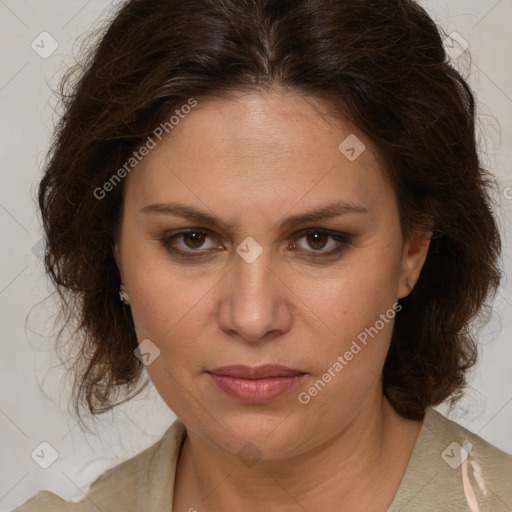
[[274, 208]]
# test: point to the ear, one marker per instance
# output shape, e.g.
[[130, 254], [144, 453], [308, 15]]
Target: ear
[[414, 255], [117, 256]]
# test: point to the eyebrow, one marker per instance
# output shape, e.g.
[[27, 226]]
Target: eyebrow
[[329, 211]]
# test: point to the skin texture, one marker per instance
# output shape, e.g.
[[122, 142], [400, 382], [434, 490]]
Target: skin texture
[[253, 160]]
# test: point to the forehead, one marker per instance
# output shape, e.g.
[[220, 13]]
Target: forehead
[[260, 147]]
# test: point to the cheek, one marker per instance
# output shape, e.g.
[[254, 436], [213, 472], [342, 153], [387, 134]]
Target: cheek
[[171, 306], [158, 293], [363, 291], [360, 312], [359, 309], [170, 312], [164, 307]]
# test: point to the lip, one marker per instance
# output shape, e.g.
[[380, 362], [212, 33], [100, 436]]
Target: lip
[[256, 385], [256, 372]]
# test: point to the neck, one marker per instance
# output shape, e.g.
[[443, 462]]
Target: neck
[[359, 468]]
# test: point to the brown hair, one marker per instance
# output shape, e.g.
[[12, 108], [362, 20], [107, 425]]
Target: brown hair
[[381, 65]]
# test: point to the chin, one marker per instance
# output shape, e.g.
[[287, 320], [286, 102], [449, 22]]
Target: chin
[[269, 436]]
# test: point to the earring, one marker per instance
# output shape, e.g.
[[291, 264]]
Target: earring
[[123, 295]]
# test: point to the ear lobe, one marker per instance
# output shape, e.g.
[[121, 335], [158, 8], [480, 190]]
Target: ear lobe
[[414, 256]]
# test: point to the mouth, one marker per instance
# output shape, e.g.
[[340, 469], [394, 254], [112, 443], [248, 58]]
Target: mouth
[[258, 384]]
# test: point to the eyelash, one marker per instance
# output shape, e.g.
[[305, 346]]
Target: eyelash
[[342, 239]]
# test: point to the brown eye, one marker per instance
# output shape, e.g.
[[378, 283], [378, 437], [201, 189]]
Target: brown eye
[[188, 243], [317, 240], [321, 243], [196, 239], [193, 243]]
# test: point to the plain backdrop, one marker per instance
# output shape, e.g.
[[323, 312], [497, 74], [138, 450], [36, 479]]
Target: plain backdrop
[[33, 393]]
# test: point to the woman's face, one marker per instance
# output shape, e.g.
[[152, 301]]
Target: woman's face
[[256, 288]]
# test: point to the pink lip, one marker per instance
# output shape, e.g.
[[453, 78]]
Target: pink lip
[[258, 384], [256, 372]]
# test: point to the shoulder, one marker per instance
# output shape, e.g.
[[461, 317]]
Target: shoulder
[[465, 445], [45, 501], [452, 467], [121, 488]]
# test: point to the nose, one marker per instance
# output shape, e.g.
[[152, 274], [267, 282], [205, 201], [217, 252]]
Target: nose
[[255, 303]]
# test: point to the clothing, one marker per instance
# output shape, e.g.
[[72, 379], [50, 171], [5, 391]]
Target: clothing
[[434, 481]]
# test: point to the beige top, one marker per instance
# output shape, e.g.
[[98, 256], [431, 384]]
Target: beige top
[[444, 473]]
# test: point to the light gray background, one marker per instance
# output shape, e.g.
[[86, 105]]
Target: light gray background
[[33, 398]]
